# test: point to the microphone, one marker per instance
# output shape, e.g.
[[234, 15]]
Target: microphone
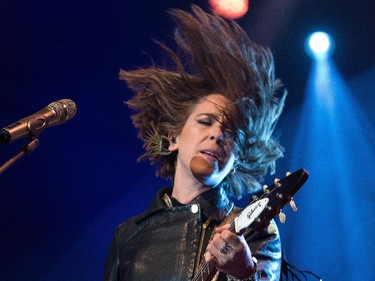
[[53, 114], [200, 168]]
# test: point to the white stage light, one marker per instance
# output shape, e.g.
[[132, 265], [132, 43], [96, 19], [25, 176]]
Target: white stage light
[[319, 45]]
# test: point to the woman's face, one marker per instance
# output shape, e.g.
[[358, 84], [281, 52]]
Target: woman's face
[[203, 135]]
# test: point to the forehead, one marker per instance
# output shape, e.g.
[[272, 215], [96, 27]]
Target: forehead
[[212, 103]]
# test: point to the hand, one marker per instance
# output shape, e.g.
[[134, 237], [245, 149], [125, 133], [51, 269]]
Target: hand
[[230, 253]]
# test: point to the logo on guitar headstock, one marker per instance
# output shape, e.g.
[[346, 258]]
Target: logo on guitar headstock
[[250, 214]]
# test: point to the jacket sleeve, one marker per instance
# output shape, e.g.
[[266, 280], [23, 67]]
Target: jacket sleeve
[[111, 270], [266, 248]]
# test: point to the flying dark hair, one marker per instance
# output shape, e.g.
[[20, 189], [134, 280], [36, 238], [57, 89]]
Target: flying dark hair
[[215, 56]]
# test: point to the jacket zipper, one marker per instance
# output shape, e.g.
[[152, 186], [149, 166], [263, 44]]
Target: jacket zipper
[[200, 249]]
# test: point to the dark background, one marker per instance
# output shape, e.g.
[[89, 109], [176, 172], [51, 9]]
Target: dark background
[[60, 205]]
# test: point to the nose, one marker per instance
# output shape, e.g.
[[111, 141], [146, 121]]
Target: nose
[[217, 134]]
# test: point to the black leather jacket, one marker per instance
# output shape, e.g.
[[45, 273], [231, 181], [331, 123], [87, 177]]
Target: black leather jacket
[[165, 242]]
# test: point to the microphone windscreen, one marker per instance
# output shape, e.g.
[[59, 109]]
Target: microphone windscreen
[[200, 167], [65, 110]]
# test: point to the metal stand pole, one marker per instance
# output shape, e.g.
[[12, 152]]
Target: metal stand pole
[[27, 149]]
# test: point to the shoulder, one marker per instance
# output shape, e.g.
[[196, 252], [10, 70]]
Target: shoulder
[[127, 228], [133, 225]]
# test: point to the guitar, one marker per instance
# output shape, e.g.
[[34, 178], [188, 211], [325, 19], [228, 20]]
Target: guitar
[[262, 208]]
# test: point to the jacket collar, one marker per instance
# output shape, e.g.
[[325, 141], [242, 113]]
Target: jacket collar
[[213, 203]]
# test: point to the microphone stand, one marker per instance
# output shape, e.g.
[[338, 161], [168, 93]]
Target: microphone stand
[[27, 149]]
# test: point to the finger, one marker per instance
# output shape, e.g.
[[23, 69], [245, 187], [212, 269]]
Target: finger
[[210, 259], [232, 238], [221, 249], [215, 245], [228, 235], [221, 228], [222, 252]]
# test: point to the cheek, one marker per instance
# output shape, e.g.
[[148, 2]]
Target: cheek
[[191, 135]]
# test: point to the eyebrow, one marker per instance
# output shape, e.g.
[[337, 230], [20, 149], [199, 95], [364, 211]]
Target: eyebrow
[[213, 116]]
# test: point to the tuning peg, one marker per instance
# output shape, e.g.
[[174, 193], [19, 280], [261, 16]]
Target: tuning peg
[[288, 174], [271, 229], [282, 217], [277, 182], [293, 205], [265, 188]]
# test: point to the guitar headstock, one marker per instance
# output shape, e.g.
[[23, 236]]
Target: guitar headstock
[[268, 204]]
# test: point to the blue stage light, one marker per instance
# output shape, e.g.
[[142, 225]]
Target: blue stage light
[[319, 45]]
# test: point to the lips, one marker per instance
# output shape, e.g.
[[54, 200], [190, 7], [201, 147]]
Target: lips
[[213, 154]]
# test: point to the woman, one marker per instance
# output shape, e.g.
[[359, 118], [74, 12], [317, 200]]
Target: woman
[[209, 126]]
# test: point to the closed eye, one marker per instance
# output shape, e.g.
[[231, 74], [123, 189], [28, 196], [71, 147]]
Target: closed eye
[[207, 119], [205, 122]]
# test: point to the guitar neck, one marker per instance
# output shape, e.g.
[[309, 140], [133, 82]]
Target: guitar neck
[[257, 215], [206, 272]]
